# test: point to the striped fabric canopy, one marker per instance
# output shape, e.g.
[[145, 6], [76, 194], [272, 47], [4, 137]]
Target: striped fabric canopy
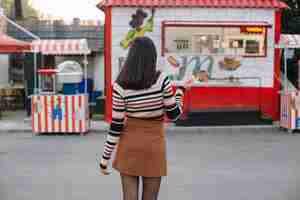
[[12, 45], [61, 47], [289, 41], [195, 3]]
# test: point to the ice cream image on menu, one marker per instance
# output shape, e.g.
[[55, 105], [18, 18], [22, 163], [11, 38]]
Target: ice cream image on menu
[[197, 67], [173, 61]]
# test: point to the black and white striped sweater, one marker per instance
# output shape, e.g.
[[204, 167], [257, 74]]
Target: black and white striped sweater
[[150, 103]]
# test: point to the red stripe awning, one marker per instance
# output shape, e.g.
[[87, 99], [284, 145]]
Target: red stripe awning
[[47, 71], [217, 23], [195, 3], [11, 45], [61, 47]]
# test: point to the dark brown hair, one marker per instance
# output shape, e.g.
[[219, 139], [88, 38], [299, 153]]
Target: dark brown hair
[[139, 71]]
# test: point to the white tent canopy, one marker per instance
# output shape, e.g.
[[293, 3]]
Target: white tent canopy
[[291, 41], [61, 47]]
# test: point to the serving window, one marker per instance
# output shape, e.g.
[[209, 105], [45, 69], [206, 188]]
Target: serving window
[[243, 40]]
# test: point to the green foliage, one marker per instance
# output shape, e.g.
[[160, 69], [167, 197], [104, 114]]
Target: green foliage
[[291, 17], [6, 5], [28, 10]]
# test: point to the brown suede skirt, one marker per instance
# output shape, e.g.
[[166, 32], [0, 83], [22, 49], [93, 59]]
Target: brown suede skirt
[[141, 149]]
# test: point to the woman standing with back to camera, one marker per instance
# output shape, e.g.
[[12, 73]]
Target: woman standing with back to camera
[[142, 95]]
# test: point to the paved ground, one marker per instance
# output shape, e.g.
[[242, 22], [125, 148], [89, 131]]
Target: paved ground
[[17, 121], [208, 164]]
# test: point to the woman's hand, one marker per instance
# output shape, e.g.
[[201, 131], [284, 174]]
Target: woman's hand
[[188, 84], [104, 168]]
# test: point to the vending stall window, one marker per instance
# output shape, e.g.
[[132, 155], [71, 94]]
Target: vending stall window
[[215, 39], [208, 51]]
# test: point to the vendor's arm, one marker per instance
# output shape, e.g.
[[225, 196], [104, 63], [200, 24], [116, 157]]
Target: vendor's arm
[[117, 124], [173, 102]]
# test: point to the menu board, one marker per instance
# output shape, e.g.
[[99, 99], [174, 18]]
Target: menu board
[[214, 41], [214, 55]]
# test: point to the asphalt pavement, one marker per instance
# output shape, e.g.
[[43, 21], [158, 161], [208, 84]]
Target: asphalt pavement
[[204, 163]]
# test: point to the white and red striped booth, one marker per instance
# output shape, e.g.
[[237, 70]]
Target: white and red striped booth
[[60, 113], [290, 110], [57, 113], [290, 98]]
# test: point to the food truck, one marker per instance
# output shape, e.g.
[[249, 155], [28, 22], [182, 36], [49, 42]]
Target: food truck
[[227, 47]]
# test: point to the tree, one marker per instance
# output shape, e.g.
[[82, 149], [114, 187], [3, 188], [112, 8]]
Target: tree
[[291, 17], [18, 10], [6, 5], [22, 8], [28, 10]]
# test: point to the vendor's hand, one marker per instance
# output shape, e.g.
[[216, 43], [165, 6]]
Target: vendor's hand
[[104, 167]]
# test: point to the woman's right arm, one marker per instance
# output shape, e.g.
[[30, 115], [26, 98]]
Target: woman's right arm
[[116, 126], [173, 102]]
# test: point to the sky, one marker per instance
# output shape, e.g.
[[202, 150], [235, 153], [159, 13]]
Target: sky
[[68, 9]]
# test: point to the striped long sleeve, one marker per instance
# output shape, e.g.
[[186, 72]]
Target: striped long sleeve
[[173, 102], [117, 124]]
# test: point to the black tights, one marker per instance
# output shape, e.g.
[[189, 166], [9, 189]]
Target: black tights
[[130, 186]]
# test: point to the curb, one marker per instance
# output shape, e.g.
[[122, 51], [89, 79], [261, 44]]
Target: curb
[[7, 127], [245, 127], [228, 129], [102, 127], [7, 131]]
